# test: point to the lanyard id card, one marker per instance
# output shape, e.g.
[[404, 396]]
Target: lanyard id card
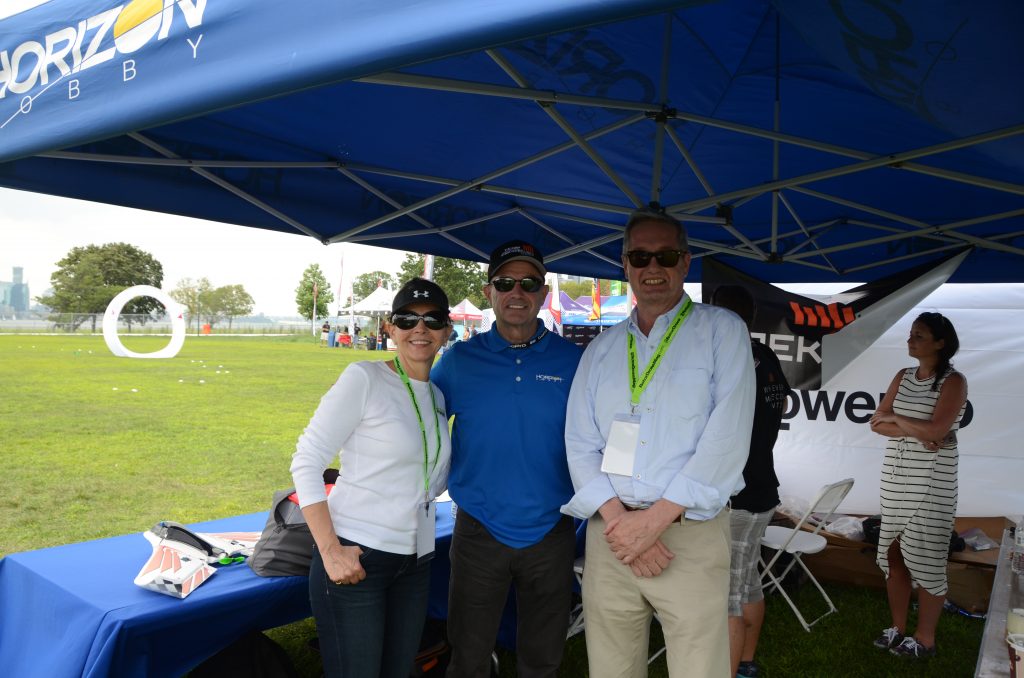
[[620, 450], [425, 526]]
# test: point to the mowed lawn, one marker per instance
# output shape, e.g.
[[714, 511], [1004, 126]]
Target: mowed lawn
[[94, 445], [210, 433]]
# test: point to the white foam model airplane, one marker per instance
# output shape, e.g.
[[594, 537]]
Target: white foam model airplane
[[183, 559]]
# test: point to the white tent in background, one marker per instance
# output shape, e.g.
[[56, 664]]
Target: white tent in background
[[465, 311], [378, 301]]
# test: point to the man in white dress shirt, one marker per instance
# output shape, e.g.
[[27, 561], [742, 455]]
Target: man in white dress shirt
[[657, 434]]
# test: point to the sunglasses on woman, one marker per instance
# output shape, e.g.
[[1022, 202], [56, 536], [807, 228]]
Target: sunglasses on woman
[[529, 284], [642, 258], [434, 320]]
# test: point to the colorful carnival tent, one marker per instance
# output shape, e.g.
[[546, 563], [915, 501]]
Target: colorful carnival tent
[[799, 140]]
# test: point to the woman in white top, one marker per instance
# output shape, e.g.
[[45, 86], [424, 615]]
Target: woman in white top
[[920, 415], [370, 576]]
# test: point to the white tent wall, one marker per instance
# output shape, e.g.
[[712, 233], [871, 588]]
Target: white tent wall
[[830, 442]]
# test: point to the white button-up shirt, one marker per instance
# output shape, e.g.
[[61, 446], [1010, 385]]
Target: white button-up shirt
[[695, 415]]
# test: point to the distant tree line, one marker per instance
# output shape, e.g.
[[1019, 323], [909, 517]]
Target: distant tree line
[[209, 304], [88, 278]]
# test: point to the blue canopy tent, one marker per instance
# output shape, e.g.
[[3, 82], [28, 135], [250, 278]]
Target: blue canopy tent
[[799, 140]]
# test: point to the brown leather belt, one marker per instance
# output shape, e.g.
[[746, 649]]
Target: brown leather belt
[[678, 518]]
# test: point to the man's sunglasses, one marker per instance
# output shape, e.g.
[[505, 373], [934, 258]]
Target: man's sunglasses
[[434, 320], [642, 258], [529, 284]]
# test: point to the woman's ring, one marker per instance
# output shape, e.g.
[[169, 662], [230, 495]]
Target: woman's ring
[[338, 582]]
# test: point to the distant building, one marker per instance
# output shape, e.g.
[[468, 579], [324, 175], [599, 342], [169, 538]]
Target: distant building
[[14, 297]]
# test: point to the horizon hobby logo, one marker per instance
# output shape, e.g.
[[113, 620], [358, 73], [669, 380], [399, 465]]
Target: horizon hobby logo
[[122, 29]]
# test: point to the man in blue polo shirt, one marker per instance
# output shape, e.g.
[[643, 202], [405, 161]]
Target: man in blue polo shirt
[[507, 389]]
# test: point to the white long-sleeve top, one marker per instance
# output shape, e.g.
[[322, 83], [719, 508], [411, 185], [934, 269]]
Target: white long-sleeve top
[[694, 417], [369, 417]]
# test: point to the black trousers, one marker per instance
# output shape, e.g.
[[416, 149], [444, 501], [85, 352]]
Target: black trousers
[[482, 571]]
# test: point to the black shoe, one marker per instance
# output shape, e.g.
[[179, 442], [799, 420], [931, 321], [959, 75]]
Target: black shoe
[[913, 649], [748, 670], [890, 638]]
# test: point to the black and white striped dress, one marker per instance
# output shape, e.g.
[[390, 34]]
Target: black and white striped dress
[[919, 490]]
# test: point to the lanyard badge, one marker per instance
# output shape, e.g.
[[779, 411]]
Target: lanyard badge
[[638, 383], [425, 516]]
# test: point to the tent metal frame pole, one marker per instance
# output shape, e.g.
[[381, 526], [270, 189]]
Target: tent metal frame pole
[[551, 97], [359, 181], [776, 123], [230, 188], [779, 195], [661, 119], [812, 234], [491, 188], [945, 228], [560, 236], [685, 152], [853, 168], [180, 161], [355, 166], [736, 233], [943, 239], [468, 185], [370, 237], [904, 257], [570, 131]]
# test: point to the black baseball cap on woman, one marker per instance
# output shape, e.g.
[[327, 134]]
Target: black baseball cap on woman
[[420, 291]]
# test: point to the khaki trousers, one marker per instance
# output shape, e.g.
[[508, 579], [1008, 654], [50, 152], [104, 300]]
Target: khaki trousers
[[691, 598]]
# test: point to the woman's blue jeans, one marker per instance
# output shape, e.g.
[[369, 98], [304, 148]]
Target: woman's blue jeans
[[371, 629]]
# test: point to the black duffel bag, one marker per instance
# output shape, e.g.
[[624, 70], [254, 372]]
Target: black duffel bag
[[285, 548]]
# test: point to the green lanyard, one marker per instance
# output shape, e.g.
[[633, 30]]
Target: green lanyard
[[423, 428], [637, 385]]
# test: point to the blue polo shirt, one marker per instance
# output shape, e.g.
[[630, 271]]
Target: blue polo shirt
[[509, 469]]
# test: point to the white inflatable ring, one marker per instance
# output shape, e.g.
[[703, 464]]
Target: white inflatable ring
[[174, 310]]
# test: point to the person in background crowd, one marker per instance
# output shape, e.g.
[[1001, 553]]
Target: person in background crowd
[[507, 390], [752, 507], [920, 415], [370, 576], [657, 433], [325, 331]]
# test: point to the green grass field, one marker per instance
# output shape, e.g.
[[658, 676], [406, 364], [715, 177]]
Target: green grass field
[[210, 433]]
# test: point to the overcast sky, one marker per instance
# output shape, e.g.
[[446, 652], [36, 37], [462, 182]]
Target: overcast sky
[[37, 230]]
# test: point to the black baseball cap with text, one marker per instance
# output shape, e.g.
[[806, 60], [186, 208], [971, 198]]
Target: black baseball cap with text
[[515, 250]]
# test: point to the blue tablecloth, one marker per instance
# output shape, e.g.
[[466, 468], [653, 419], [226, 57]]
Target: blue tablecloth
[[74, 610]]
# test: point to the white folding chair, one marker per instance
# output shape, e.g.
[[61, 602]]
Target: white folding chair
[[576, 614], [797, 541]]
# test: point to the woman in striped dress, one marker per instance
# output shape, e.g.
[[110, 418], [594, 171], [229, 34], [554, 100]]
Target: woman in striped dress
[[920, 415]]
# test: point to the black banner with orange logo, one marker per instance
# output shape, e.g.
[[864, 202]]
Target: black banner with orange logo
[[795, 326]]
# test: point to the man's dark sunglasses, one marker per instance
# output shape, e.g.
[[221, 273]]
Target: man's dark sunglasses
[[642, 258], [529, 284], [434, 320]]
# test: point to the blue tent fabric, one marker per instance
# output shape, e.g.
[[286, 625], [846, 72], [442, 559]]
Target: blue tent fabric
[[798, 140]]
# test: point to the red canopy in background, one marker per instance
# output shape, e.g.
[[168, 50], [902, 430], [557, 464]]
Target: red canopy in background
[[466, 310]]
